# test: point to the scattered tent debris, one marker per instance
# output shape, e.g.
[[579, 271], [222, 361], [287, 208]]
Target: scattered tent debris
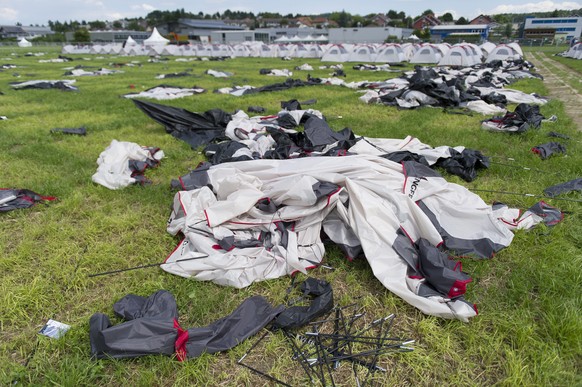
[[256, 109], [548, 149], [174, 75], [12, 199], [218, 74], [569, 186], [54, 329], [152, 327], [276, 72], [65, 85], [304, 67], [166, 92], [82, 131], [103, 71], [558, 135], [124, 163], [524, 117], [193, 128]]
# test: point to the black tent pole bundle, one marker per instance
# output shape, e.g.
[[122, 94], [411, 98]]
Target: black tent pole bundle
[[146, 266], [338, 336]]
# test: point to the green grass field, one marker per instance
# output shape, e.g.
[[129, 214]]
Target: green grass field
[[529, 295]]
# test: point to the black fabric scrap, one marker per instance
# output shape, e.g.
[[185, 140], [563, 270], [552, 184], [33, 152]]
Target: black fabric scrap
[[548, 149], [569, 186], [82, 131], [193, 128], [321, 295], [464, 164]]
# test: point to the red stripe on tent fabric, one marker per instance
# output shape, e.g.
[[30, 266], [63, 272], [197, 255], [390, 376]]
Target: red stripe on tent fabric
[[175, 248], [181, 340]]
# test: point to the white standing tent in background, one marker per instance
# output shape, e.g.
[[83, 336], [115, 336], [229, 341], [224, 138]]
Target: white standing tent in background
[[335, 53], [362, 53], [390, 53], [427, 53], [155, 39], [486, 48], [503, 52], [130, 42], [24, 43]]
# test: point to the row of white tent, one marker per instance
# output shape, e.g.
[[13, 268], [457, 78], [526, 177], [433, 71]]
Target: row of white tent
[[464, 54], [574, 52]]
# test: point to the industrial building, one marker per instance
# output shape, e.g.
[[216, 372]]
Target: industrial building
[[553, 28], [453, 33]]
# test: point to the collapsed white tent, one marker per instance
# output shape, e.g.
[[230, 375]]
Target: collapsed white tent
[[368, 200]]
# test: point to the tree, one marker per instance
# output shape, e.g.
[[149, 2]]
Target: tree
[[117, 24], [428, 12], [344, 19], [508, 30], [392, 14], [447, 17], [82, 35], [462, 21]]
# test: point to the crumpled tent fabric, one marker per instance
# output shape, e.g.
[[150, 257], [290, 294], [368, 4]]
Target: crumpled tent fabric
[[13, 199], [152, 327], [385, 206], [103, 71], [124, 163], [218, 74], [524, 117], [193, 128], [274, 137], [65, 85], [569, 186], [540, 212], [166, 92], [548, 149]]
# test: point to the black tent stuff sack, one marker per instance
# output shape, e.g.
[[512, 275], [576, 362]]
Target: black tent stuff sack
[[152, 327], [252, 315], [193, 128], [464, 164], [548, 149], [569, 186], [321, 295]]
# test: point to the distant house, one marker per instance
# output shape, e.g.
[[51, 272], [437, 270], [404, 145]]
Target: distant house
[[304, 21], [482, 19], [426, 21], [380, 20], [7, 32]]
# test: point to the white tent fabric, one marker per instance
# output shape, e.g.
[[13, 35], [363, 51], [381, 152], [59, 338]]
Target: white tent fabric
[[24, 43], [375, 202], [113, 171]]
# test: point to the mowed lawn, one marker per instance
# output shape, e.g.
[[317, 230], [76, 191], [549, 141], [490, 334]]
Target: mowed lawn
[[529, 296]]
